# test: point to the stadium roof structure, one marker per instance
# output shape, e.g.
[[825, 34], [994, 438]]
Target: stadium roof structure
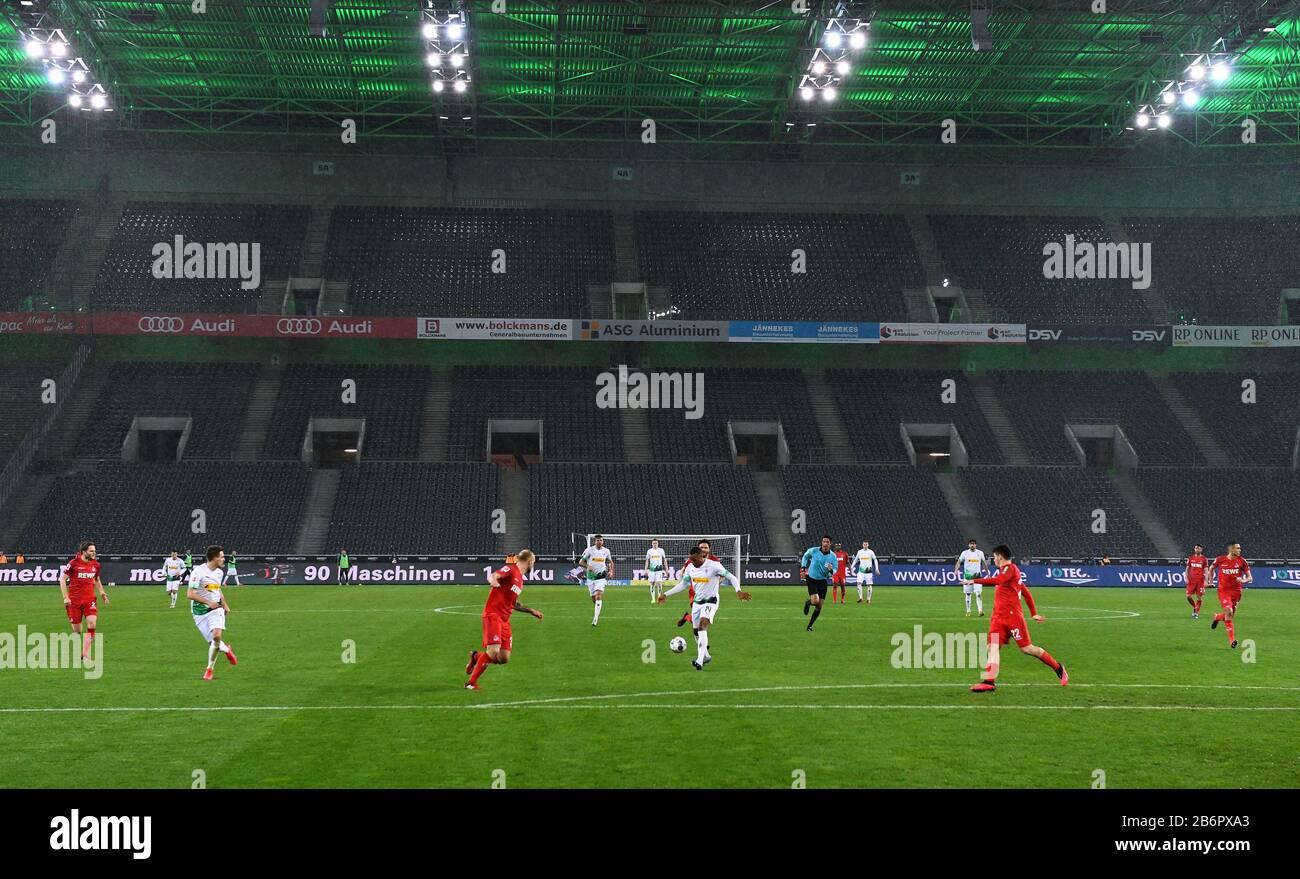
[[563, 77]]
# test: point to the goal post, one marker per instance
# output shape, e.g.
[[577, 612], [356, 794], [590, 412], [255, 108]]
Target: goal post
[[629, 551]]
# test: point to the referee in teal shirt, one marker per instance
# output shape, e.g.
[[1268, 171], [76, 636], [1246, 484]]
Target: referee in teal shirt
[[816, 567]]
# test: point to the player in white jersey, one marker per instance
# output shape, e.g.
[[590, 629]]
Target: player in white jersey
[[656, 566], [597, 563], [706, 576], [970, 564], [209, 607], [173, 570], [865, 565]]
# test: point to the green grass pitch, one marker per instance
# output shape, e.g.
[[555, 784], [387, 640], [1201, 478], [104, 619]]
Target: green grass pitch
[[1156, 700]]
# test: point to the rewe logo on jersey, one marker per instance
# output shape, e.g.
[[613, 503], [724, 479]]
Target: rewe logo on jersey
[[77, 832], [1104, 260], [181, 259]]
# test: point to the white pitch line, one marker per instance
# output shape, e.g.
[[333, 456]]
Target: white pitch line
[[577, 701]]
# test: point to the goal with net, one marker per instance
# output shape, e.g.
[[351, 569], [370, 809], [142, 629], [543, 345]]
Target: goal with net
[[629, 553]]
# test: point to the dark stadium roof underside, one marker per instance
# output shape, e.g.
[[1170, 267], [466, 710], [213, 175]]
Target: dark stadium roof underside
[[708, 73]]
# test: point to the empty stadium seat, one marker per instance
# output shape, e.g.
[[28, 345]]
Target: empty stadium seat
[[752, 394], [1260, 434], [389, 398], [212, 395], [1222, 270], [1256, 507], [1002, 256], [250, 507], [738, 265], [31, 233], [564, 398], [439, 261], [415, 507], [900, 509], [1042, 403], [874, 403], [1047, 512], [126, 281]]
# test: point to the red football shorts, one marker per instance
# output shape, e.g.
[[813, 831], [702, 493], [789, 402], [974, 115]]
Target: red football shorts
[[1196, 588], [81, 607], [1004, 630], [496, 631], [1230, 598]]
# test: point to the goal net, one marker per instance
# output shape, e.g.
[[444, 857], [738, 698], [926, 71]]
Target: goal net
[[629, 551]]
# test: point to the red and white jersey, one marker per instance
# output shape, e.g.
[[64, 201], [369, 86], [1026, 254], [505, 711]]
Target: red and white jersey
[[502, 597], [842, 566], [1196, 567], [1231, 571], [81, 577]]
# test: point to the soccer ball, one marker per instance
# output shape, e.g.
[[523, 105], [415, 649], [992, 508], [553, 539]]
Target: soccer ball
[[677, 645]]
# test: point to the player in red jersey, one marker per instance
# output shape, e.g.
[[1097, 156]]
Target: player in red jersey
[[78, 582], [840, 578], [1194, 574], [1233, 572], [1008, 620], [506, 583], [690, 592]]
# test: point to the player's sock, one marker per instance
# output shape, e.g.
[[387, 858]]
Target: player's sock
[[1051, 663], [596, 617], [223, 647], [868, 593], [816, 612], [859, 592], [991, 673], [979, 603], [1227, 624], [702, 640], [480, 666], [87, 641], [967, 602], [1196, 608], [806, 605], [212, 654]]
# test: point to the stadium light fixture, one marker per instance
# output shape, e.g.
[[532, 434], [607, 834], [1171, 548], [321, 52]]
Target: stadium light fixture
[[74, 100], [1221, 72], [445, 32], [829, 93], [438, 85], [857, 40], [1143, 120], [434, 59], [429, 30], [1164, 120], [1196, 71], [1191, 98], [1168, 97]]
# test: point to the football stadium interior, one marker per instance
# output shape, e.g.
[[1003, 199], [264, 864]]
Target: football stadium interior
[[298, 278]]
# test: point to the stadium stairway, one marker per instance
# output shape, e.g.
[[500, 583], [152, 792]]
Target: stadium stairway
[[1154, 299], [313, 245], [927, 251], [258, 412], [962, 508], [1191, 421], [23, 504], [333, 297], [625, 253], [1013, 448], [1156, 530], [636, 437], [61, 442], [313, 529], [776, 512], [516, 492], [830, 422], [103, 217], [437, 412]]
